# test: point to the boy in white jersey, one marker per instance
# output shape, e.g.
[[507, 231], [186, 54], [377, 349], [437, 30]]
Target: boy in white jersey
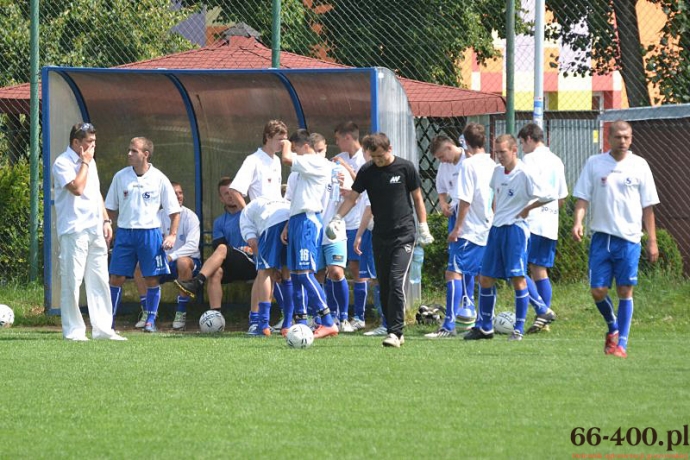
[[516, 192], [543, 223], [352, 158], [184, 260], [469, 231], [620, 188], [304, 231], [136, 194], [261, 224]]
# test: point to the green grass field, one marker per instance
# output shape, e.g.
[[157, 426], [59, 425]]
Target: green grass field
[[228, 396]]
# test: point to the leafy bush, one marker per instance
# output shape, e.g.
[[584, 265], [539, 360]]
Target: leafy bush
[[15, 237], [436, 254], [670, 263], [571, 262]]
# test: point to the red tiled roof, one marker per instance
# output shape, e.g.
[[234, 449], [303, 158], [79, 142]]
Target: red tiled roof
[[426, 99]]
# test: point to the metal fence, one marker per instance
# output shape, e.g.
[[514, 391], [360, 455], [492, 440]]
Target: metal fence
[[438, 41]]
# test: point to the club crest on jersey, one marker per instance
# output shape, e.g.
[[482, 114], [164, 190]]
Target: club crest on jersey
[[628, 181], [511, 192], [604, 180], [395, 180], [126, 193], [146, 195]]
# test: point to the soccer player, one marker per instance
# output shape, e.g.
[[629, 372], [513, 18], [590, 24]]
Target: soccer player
[[516, 192], [352, 158], [543, 224], [467, 236], [136, 194], [304, 231], [184, 259], [393, 186], [620, 188], [231, 259], [261, 223], [84, 231]]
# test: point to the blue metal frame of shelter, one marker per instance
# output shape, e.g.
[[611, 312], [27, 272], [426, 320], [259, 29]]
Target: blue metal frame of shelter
[[174, 76]]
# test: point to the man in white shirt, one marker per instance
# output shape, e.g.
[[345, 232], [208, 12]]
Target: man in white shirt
[[136, 194], [184, 260], [516, 192], [468, 230], [620, 188], [84, 231], [543, 223]]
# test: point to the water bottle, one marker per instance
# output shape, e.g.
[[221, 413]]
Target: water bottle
[[416, 267], [335, 183]]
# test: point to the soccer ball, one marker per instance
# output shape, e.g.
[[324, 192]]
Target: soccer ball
[[212, 321], [6, 316], [504, 322], [299, 336]]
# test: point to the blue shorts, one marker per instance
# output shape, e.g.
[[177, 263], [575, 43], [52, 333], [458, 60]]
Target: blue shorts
[[304, 241], [465, 257], [541, 251], [333, 254], [609, 257], [138, 245], [351, 254], [272, 251], [173, 270], [367, 269], [506, 252]]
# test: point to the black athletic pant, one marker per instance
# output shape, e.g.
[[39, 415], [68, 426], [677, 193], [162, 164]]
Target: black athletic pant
[[392, 257]]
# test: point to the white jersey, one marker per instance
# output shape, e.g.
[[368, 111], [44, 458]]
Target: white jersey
[[549, 170], [138, 199], [447, 178], [188, 234], [259, 175], [262, 214], [291, 183], [617, 191], [76, 213], [474, 187], [354, 217], [330, 207], [514, 191], [314, 176]]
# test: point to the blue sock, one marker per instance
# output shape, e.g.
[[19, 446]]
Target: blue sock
[[253, 318], [330, 297], [544, 289], [182, 301], [153, 300], [341, 294], [288, 302], [300, 307], [625, 314], [360, 294], [264, 315], [487, 300], [316, 297], [115, 293], [606, 309], [142, 301], [468, 290], [521, 307], [534, 297], [453, 298]]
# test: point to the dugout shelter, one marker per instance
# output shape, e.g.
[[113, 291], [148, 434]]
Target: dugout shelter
[[203, 123]]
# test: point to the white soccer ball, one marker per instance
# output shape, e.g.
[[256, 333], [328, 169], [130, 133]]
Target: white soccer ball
[[212, 321], [504, 322], [299, 336], [6, 316]]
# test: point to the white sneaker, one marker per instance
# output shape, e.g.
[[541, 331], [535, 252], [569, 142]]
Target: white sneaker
[[391, 340], [357, 324], [345, 326], [142, 320], [379, 331], [277, 326], [180, 321], [78, 339], [113, 336]]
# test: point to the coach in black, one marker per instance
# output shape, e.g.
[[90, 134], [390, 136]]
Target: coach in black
[[393, 185]]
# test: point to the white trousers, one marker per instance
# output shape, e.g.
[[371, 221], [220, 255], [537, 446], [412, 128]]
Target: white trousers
[[84, 258]]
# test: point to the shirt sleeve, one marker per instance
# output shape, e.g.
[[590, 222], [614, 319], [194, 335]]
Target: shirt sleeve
[[414, 181], [248, 228], [648, 193], [113, 196], [244, 176], [192, 230], [63, 174], [583, 187]]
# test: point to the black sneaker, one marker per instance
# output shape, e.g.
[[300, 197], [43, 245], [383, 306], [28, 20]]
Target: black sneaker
[[477, 334], [189, 288], [541, 322]]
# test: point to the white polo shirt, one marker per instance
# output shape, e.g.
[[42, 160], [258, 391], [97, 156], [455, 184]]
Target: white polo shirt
[[549, 170], [188, 234], [262, 214], [314, 177], [447, 177], [259, 175], [474, 187], [354, 217], [76, 213], [138, 199]]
